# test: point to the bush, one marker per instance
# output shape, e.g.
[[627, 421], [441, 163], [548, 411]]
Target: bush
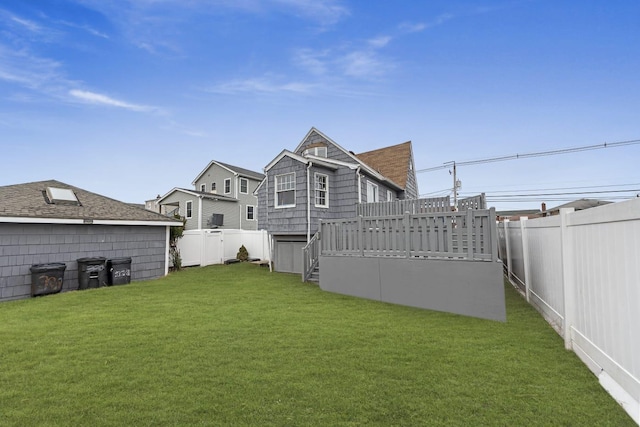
[[243, 254]]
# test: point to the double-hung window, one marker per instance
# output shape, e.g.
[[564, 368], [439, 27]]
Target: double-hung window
[[227, 186], [213, 187], [244, 185], [250, 212], [372, 192], [188, 208], [322, 190], [203, 187], [286, 190]]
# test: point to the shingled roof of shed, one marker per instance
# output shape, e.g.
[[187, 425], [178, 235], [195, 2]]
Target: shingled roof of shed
[[29, 201], [393, 162]]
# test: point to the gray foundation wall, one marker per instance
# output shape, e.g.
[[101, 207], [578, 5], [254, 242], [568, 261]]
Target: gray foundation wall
[[22, 245], [470, 288]]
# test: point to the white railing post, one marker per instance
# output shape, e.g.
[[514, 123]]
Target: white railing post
[[568, 279], [525, 256]]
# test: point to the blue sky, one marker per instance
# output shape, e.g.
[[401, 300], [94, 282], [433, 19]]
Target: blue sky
[[131, 98]]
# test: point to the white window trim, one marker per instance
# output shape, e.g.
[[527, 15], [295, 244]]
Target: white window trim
[[247, 181], [376, 193], [316, 151], [275, 191], [389, 196], [247, 213], [225, 186], [203, 187], [326, 190], [187, 209], [213, 187]]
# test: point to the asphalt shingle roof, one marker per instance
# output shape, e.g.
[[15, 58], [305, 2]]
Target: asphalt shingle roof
[[244, 172], [392, 162], [29, 201]]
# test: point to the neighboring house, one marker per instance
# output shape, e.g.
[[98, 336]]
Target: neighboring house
[[53, 222], [578, 205], [223, 197], [321, 180]]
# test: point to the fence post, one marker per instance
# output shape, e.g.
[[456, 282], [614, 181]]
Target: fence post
[[407, 234], [525, 255], [508, 247], [360, 236], [493, 232], [568, 280], [469, 235]]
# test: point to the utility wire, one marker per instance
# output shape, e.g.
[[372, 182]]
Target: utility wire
[[536, 154]]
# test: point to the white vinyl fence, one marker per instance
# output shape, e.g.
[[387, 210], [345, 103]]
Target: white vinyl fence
[[581, 270], [212, 246]]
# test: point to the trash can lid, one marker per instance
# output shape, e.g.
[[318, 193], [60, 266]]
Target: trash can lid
[[36, 268], [125, 260], [92, 260]]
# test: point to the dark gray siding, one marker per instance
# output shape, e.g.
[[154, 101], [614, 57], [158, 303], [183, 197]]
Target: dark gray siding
[[287, 220], [262, 207], [333, 152], [411, 187], [343, 195], [22, 245]]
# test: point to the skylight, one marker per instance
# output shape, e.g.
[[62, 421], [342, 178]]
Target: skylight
[[62, 196]]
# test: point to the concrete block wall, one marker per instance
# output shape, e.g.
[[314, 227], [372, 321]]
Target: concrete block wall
[[22, 245]]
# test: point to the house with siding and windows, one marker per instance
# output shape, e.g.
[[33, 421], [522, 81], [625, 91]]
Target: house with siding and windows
[[320, 180], [222, 197]]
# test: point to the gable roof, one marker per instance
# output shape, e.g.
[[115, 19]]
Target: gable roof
[[392, 162], [234, 169], [195, 193], [357, 161], [27, 203]]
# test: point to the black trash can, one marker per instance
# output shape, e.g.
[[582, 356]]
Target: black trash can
[[47, 278], [92, 273], [119, 271]]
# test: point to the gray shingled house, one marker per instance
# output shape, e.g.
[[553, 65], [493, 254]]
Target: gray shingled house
[[322, 180], [53, 222], [223, 197]]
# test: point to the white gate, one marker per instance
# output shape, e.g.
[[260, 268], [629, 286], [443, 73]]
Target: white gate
[[206, 247]]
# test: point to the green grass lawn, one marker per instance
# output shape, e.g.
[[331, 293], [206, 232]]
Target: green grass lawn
[[237, 345]]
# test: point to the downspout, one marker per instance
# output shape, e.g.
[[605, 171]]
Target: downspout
[[266, 203], [199, 212], [308, 203], [359, 185], [236, 186], [240, 217]]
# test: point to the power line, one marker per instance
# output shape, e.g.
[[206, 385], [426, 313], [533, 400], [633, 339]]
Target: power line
[[563, 188], [535, 154]]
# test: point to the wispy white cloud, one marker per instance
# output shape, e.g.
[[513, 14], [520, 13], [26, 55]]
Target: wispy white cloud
[[380, 41], [33, 72], [262, 85], [107, 101], [86, 28], [29, 25], [416, 27], [364, 64], [326, 12]]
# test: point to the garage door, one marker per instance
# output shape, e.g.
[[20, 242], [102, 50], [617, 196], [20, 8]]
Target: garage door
[[288, 256]]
